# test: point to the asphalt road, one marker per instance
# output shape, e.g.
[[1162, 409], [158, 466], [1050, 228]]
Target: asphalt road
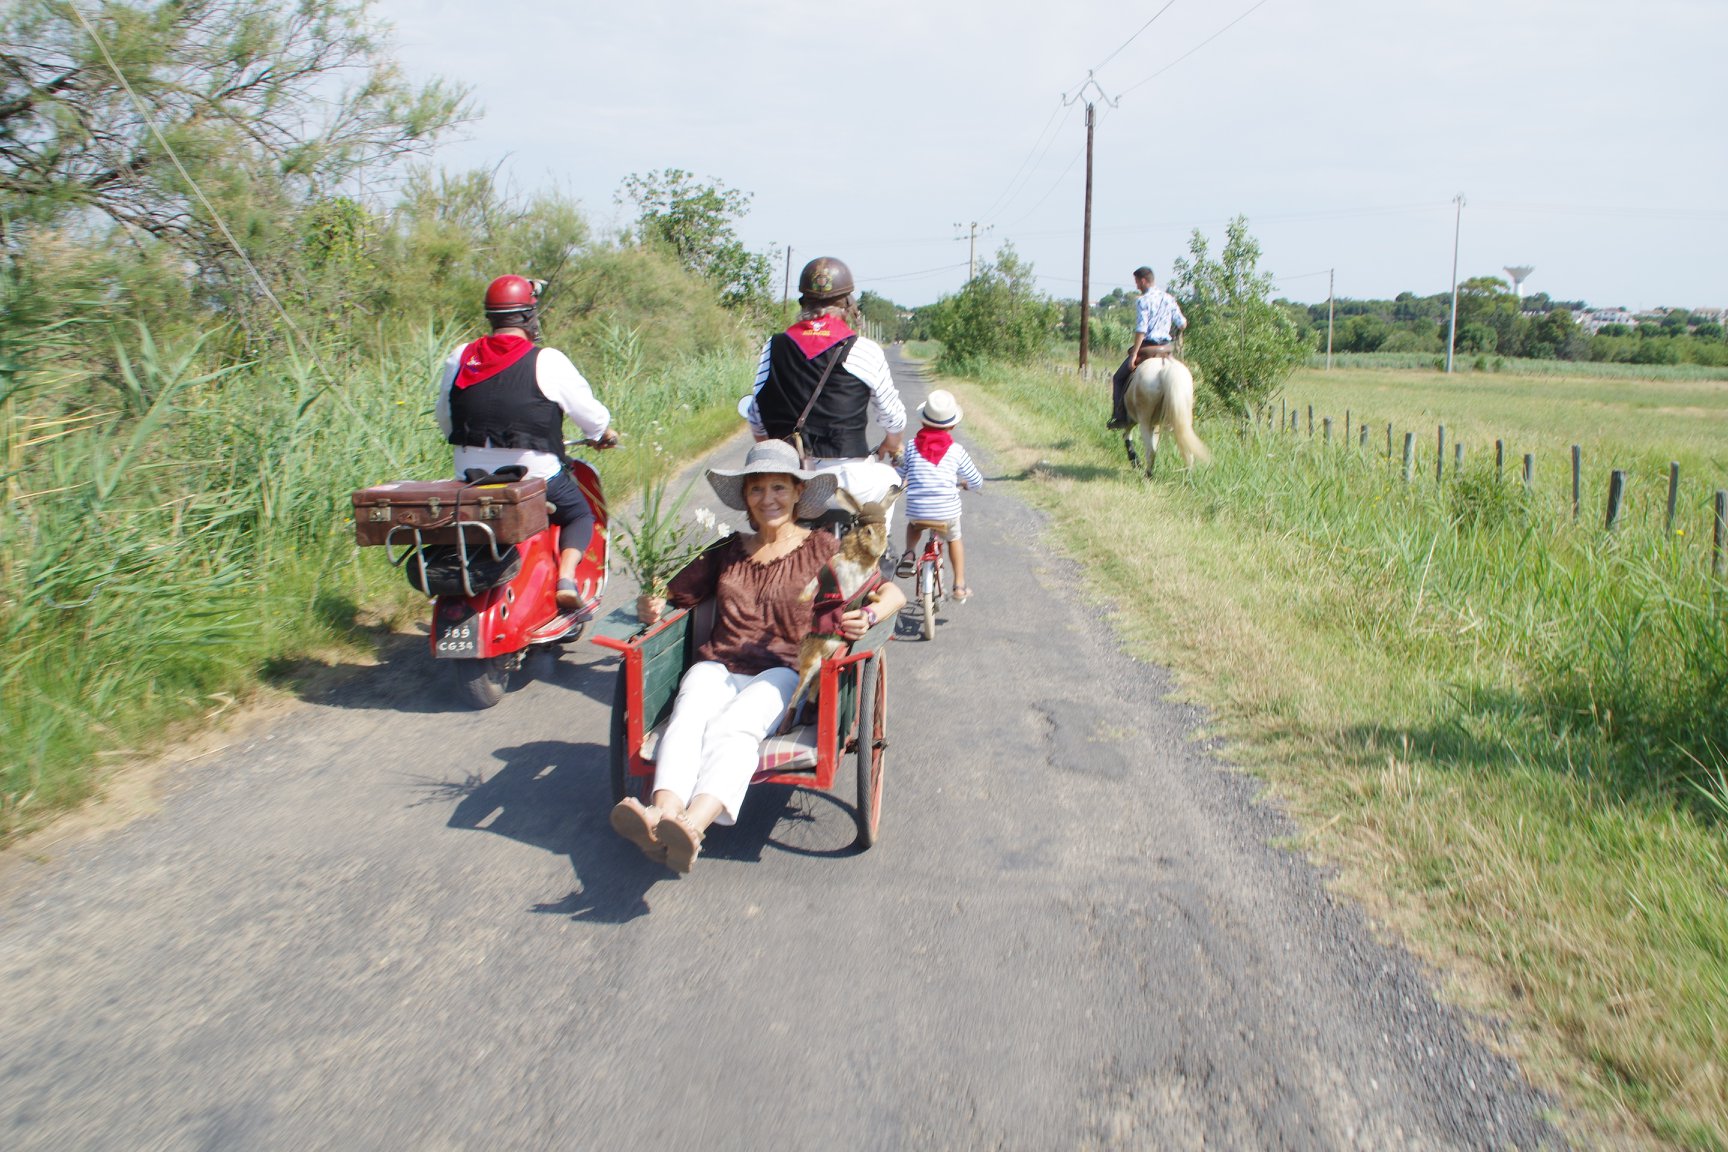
[[384, 922]]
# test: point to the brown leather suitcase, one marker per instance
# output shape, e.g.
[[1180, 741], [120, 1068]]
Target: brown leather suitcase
[[513, 511]]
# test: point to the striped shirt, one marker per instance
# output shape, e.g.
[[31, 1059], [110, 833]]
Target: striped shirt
[[931, 493], [1154, 315], [865, 361]]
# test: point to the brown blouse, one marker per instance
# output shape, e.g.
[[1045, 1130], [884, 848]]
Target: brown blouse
[[759, 619]]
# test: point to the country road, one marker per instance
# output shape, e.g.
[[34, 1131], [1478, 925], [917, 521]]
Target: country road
[[379, 921]]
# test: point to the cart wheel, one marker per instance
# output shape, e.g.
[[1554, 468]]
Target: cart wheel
[[481, 682], [872, 748], [619, 755], [927, 599]]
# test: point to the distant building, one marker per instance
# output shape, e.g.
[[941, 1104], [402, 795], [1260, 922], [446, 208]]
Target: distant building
[[1593, 320]]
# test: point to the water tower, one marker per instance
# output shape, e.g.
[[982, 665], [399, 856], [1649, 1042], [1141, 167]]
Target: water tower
[[1519, 272]]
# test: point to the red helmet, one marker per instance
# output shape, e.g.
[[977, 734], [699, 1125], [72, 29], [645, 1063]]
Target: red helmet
[[510, 294]]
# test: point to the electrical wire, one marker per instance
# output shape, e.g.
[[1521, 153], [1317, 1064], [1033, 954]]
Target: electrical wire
[[1194, 49], [1131, 39], [911, 275], [1030, 165]]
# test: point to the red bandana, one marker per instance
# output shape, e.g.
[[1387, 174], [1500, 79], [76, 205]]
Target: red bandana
[[490, 355], [933, 443], [815, 337]]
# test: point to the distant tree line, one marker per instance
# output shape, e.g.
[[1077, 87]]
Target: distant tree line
[[1493, 321]]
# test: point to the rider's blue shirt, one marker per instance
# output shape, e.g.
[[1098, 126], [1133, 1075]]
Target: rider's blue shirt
[[1155, 314]]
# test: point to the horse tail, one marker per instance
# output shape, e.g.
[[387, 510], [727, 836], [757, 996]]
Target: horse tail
[[1179, 412]]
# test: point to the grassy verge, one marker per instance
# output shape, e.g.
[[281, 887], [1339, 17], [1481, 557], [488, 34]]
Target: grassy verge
[[168, 549], [1503, 728]]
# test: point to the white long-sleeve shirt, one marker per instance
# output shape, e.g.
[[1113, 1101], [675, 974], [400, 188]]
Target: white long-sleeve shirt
[[864, 360], [559, 382]]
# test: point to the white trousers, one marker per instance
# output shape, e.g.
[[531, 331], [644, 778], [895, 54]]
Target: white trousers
[[711, 743]]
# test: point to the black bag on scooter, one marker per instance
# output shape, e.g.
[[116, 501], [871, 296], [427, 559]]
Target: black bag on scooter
[[443, 569]]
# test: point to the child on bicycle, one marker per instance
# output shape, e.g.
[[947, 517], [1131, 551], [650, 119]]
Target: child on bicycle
[[934, 470]]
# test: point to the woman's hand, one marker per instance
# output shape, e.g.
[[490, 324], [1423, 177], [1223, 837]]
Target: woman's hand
[[854, 624], [649, 609]]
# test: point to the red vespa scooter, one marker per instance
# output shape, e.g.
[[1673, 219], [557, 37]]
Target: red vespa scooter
[[487, 634]]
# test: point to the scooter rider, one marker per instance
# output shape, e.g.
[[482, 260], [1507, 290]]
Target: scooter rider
[[858, 384], [502, 401]]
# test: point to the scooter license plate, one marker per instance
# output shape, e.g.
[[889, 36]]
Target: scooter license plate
[[456, 639]]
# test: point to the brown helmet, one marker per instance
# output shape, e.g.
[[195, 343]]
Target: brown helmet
[[825, 278]]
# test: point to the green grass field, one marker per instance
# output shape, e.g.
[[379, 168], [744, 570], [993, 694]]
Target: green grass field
[[1637, 426], [1503, 728]]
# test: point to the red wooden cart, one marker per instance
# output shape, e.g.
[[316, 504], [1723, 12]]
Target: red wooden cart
[[851, 723]]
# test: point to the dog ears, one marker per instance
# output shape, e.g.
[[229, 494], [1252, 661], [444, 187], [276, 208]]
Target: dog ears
[[849, 500]]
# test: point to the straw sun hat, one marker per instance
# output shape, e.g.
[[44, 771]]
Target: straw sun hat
[[774, 457], [940, 410]]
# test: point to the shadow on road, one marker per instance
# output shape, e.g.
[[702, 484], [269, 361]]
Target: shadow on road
[[554, 795], [407, 679]]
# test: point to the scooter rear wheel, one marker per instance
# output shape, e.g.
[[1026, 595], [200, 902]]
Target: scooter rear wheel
[[481, 682]]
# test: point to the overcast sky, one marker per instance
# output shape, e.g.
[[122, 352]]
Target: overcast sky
[[1586, 135]]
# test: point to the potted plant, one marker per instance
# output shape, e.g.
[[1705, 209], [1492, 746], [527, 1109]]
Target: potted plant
[[660, 542]]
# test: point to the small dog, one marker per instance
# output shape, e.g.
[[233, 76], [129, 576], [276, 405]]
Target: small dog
[[843, 584]]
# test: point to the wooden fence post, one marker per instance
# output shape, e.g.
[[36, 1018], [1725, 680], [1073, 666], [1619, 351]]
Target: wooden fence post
[[1577, 469], [1281, 414], [1457, 457], [1440, 454], [1529, 471], [1721, 530], [1388, 442], [1310, 421], [1409, 456], [1328, 423], [1346, 425], [1499, 460], [1673, 495], [1616, 496], [1364, 438]]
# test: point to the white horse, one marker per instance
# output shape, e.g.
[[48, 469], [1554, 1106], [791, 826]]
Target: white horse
[[1161, 393]]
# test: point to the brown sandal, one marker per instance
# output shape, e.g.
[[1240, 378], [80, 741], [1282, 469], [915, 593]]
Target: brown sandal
[[640, 826], [682, 841]]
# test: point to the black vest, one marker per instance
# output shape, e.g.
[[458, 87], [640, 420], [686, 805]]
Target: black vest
[[508, 410], [837, 423]]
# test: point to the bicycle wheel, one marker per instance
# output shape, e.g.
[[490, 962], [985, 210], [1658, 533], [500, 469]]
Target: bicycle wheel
[[872, 747], [927, 597]]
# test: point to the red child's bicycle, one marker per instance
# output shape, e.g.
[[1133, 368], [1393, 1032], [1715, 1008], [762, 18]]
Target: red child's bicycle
[[927, 580]]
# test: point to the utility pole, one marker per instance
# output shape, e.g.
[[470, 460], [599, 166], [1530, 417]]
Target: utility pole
[[786, 291], [972, 247], [1086, 228], [1330, 272], [1452, 325]]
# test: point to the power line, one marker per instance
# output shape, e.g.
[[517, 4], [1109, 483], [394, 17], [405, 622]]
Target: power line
[[1033, 164], [910, 275], [1099, 67], [1000, 202], [1194, 49], [1078, 152]]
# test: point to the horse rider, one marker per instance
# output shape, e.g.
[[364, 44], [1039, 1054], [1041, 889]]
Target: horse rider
[[502, 401], [819, 382], [1157, 317]]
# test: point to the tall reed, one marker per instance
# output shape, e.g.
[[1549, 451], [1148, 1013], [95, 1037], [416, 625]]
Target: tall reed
[[171, 539]]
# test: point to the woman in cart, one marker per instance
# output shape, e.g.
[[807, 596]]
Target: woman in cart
[[743, 681]]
